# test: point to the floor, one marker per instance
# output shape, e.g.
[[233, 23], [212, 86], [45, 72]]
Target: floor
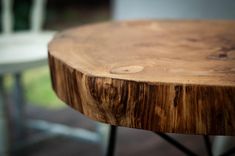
[[130, 142]]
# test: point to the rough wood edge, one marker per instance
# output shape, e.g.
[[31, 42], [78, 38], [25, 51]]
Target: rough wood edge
[[181, 108]]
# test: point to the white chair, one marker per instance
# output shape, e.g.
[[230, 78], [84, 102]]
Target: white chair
[[23, 50], [179, 9], [19, 51]]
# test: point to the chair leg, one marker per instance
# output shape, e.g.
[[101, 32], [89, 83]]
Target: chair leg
[[112, 141], [19, 112], [4, 140]]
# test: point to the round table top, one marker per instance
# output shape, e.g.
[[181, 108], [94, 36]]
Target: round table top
[[167, 76], [23, 50]]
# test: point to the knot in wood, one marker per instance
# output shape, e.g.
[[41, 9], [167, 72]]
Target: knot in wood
[[126, 70]]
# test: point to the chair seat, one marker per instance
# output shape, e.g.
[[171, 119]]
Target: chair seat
[[23, 50]]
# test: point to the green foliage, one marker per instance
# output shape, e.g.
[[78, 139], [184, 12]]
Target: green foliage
[[38, 88]]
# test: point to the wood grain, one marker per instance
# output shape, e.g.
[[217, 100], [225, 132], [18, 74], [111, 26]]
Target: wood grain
[[166, 76]]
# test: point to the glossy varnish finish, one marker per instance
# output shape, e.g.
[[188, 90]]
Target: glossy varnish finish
[[168, 76]]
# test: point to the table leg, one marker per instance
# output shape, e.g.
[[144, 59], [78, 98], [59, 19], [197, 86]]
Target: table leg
[[176, 144], [112, 140], [19, 103], [3, 122], [208, 145]]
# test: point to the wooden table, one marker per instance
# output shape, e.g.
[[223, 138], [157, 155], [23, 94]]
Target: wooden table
[[162, 76]]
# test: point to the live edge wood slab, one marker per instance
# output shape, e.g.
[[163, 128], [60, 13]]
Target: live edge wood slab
[[165, 76]]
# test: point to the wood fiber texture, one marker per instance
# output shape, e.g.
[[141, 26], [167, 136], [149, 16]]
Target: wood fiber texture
[[165, 76]]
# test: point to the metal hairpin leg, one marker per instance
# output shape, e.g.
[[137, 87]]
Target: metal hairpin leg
[[188, 151], [112, 140], [208, 145], [176, 144]]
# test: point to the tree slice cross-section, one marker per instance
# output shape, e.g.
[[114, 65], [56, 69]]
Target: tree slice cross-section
[[165, 76]]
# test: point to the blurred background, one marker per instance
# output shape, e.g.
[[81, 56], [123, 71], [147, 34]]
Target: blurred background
[[26, 91]]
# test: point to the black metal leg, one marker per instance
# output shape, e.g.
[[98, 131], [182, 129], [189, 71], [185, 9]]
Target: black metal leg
[[112, 140], [208, 145], [188, 151], [176, 144]]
